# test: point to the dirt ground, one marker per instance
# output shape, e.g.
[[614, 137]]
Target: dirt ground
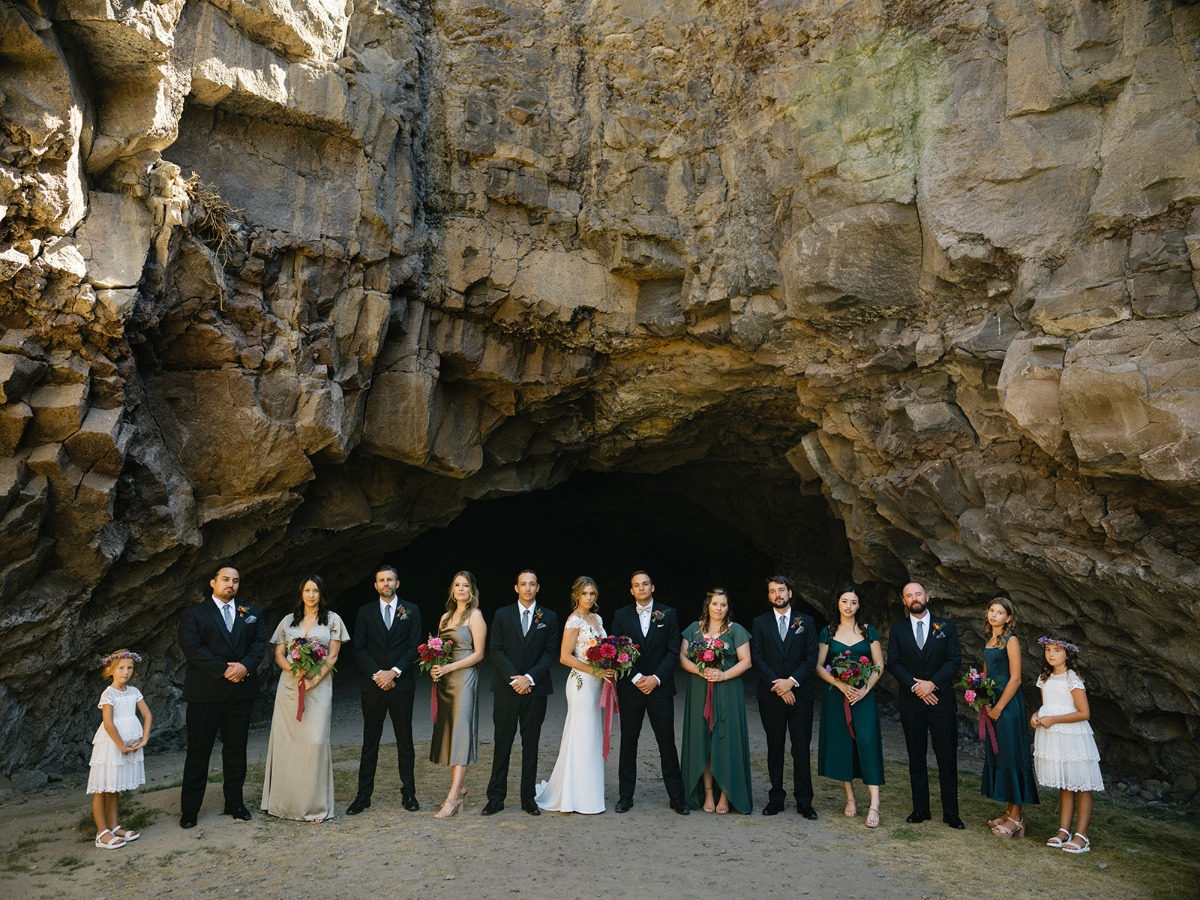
[[46, 839]]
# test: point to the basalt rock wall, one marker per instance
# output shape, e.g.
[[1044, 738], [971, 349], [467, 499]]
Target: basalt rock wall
[[291, 283]]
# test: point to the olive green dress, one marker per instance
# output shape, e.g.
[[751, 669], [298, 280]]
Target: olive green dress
[[456, 732], [727, 746], [838, 755]]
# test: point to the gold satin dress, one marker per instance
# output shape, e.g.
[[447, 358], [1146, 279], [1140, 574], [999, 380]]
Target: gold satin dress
[[456, 731]]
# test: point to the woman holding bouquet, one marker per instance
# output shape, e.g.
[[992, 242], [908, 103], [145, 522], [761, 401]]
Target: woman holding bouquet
[[716, 742], [842, 753], [298, 779], [577, 782], [455, 740]]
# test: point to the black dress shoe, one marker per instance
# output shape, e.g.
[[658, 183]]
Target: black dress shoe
[[492, 808], [186, 821], [681, 807], [624, 804], [806, 810], [773, 808], [954, 822], [411, 804], [530, 807], [239, 813], [359, 804], [915, 817]]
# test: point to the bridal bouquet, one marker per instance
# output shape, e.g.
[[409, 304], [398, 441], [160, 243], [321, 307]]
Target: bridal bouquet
[[305, 657], [615, 653], [854, 671], [435, 651], [705, 652], [980, 693]]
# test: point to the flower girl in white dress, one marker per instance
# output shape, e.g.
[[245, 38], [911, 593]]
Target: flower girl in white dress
[[1064, 751], [577, 782], [117, 763]]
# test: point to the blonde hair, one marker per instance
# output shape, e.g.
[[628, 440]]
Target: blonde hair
[[472, 600], [577, 588], [113, 659]]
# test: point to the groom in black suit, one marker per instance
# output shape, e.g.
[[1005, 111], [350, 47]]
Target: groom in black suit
[[924, 656], [386, 634], [650, 690], [783, 646], [223, 644], [524, 644]]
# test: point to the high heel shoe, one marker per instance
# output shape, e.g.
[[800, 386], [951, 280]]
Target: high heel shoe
[[454, 808]]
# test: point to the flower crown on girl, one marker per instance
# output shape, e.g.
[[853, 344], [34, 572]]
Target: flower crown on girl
[[1047, 641], [121, 654]]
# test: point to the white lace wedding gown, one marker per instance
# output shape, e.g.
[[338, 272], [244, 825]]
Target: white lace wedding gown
[[577, 782]]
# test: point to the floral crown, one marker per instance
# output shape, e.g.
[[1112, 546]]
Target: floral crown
[[121, 654], [1046, 641]]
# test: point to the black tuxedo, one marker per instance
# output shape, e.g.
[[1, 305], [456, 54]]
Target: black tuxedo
[[216, 705], [377, 648], [514, 653], [939, 661], [659, 658], [794, 656]]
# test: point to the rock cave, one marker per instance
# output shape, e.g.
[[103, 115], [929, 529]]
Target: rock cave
[[870, 293]]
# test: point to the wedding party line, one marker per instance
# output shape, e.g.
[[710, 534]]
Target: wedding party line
[[627, 670]]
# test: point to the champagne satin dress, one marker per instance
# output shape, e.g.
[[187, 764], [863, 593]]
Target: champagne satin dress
[[456, 731]]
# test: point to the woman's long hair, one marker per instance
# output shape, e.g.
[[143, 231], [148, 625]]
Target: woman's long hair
[[322, 605], [472, 600], [577, 588], [1009, 627], [704, 616], [859, 625]]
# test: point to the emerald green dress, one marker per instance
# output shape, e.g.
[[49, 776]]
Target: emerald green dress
[[727, 746], [1008, 777], [838, 755]]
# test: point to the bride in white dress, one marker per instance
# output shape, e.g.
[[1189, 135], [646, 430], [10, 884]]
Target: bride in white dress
[[577, 782]]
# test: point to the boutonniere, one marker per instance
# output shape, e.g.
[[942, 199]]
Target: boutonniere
[[937, 630], [537, 616], [797, 625], [658, 615], [249, 620]]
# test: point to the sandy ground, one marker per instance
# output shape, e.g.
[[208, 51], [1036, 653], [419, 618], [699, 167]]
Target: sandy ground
[[649, 852]]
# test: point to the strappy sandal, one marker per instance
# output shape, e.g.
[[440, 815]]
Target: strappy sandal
[[1002, 830], [851, 809], [1056, 841], [725, 811], [710, 805], [128, 835], [1073, 845], [115, 844], [872, 820]]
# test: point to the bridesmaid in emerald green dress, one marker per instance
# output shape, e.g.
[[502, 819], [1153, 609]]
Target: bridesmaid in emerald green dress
[[1008, 776], [716, 761], [839, 755]]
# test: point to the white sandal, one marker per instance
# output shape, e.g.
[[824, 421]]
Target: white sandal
[[128, 835], [115, 844], [1056, 841], [1073, 845]]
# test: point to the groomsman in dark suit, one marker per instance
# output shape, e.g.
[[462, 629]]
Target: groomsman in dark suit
[[524, 644], [783, 646], [223, 644], [924, 656], [649, 691], [386, 634]]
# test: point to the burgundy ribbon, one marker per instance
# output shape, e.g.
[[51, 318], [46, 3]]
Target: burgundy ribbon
[[849, 718], [300, 705], [708, 706], [433, 703], [986, 728], [608, 706]]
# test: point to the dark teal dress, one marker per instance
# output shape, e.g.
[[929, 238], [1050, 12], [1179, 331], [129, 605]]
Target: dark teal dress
[[1008, 777], [839, 755]]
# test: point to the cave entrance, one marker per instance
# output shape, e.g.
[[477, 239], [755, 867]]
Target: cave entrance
[[692, 528]]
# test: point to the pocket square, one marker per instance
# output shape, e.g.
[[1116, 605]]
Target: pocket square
[[541, 625], [250, 620]]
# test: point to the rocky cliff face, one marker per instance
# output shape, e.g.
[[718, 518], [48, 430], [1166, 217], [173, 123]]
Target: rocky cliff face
[[295, 282]]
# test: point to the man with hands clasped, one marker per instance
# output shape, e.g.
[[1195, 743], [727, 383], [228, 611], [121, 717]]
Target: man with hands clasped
[[783, 646], [924, 656], [387, 632]]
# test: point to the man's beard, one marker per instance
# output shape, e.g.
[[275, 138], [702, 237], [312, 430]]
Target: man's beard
[[782, 604], [917, 608]]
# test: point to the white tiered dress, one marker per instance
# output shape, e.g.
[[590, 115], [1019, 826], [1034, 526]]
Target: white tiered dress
[[577, 782], [1065, 755], [111, 770]]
